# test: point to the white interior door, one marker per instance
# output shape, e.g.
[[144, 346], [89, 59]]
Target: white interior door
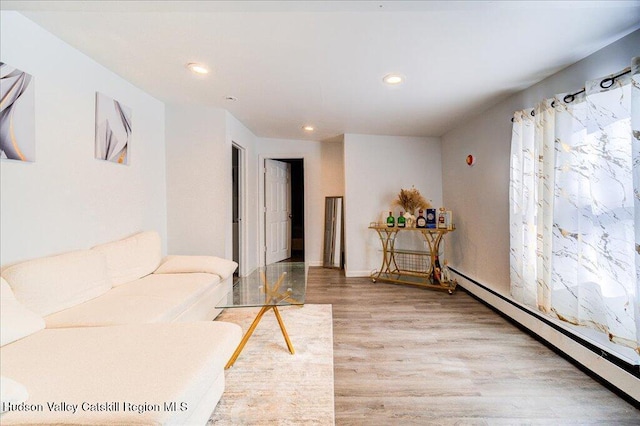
[[277, 211]]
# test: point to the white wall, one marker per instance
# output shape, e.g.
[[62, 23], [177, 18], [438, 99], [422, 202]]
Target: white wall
[[332, 160], [198, 181], [376, 168], [479, 196], [310, 152], [66, 199]]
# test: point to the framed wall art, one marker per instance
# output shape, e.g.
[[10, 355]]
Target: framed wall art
[[17, 114], [113, 130]]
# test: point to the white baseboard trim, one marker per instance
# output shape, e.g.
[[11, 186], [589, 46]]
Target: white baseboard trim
[[356, 274], [596, 363], [314, 263]]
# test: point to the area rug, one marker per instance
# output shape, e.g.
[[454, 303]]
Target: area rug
[[269, 386]]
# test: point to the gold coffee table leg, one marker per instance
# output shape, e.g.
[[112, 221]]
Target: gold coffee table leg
[[246, 337], [251, 329], [284, 330]]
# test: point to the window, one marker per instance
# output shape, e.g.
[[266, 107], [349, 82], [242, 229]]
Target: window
[[575, 206]]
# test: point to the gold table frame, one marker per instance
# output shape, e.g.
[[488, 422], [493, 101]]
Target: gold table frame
[[391, 272], [273, 296]]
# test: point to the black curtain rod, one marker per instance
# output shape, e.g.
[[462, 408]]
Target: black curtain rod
[[569, 98], [533, 114], [605, 84]]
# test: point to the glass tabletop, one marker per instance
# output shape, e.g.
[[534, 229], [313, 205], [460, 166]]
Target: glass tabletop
[[278, 284]]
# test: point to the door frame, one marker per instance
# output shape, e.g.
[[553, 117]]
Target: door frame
[[261, 198], [242, 210]]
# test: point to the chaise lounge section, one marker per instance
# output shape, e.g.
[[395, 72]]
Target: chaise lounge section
[[114, 335]]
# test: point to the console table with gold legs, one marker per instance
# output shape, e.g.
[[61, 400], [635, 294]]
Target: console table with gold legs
[[411, 267]]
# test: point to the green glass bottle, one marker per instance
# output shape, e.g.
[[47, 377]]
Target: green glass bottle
[[402, 222], [391, 221]]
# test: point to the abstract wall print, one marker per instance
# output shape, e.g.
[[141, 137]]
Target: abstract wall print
[[113, 130], [17, 114]]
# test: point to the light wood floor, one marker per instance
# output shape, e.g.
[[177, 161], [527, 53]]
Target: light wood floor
[[406, 355]]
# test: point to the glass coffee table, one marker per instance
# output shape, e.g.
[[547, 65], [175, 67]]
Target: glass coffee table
[[278, 284]]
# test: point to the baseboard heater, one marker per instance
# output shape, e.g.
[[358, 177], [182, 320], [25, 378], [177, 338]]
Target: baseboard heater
[[633, 369]]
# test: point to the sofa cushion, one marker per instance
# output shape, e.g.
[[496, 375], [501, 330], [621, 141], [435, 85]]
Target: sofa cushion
[[16, 321], [133, 257], [154, 298], [11, 392], [135, 364], [209, 264], [51, 284]]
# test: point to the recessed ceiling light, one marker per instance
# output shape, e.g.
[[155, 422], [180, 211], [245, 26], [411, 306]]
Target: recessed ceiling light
[[308, 128], [393, 79], [198, 68]]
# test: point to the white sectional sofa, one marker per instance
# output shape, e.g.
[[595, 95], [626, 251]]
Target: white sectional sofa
[[114, 335]]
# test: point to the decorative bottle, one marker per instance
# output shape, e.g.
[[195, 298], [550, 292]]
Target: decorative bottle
[[445, 275], [421, 221], [437, 271], [391, 221], [442, 219], [402, 222]]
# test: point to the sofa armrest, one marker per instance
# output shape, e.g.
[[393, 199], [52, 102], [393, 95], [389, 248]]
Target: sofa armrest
[[207, 264]]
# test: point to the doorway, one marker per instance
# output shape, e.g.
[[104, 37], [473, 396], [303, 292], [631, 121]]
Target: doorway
[[237, 159], [280, 236]]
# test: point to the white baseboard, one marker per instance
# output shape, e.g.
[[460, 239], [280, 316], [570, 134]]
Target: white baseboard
[[618, 377], [356, 274]]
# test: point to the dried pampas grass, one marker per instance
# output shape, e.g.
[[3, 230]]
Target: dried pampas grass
[[411, 199]]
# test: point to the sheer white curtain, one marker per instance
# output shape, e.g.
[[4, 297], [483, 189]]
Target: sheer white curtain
[[575, 206]]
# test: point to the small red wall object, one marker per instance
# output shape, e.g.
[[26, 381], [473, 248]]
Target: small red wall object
[[470, 160]]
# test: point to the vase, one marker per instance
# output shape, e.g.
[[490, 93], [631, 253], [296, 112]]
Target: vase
[[411, 220]]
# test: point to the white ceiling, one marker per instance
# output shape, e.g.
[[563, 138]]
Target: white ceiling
[[291, 63]]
